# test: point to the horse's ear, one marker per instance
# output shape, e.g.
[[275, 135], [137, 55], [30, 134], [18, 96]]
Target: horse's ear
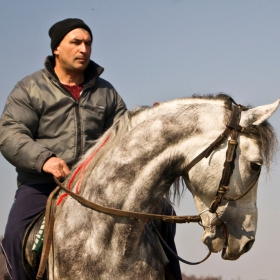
[[259, 114]]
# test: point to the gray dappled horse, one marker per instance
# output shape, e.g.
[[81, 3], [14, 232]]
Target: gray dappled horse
[[133, 165]]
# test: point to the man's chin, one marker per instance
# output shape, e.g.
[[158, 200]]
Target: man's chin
[[80, 67]]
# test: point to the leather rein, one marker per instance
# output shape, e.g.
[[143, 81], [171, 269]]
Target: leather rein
[[232, 129]]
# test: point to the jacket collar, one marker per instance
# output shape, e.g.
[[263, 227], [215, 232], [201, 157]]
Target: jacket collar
[[92, 72]]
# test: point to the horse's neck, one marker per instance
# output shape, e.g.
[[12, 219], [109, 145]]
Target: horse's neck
[[141, 168], [133, 176]]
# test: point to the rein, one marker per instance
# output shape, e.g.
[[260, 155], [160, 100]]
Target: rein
[[172, 252], [129, 214], [232, 129]]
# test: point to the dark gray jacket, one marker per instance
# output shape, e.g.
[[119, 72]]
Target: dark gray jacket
[[41, 119]]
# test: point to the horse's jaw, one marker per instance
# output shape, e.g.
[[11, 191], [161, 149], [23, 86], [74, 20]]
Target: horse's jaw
[[231, 253], [231, 239], [230, 247]]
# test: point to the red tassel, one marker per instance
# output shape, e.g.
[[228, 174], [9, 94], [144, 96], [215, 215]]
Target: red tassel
[[83, 165], [61, 198], [81, 169]]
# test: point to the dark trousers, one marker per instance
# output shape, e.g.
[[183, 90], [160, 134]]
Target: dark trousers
[[29, 202], [174, 265]]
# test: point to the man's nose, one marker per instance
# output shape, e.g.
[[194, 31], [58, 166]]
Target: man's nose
[[83, 48]]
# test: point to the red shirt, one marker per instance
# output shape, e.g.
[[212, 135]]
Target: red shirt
[[75, 90]]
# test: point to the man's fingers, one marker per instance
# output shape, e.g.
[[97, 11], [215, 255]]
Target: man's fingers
[[57, 167], [65, 170]]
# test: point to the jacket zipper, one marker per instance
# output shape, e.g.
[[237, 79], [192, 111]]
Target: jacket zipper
[[78, 127]]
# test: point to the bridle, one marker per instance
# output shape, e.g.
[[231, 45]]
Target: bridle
[[232, 130]]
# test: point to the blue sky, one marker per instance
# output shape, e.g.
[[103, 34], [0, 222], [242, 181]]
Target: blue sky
[[160, 50]]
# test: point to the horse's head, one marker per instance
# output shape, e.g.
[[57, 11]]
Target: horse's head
[[231, 227]]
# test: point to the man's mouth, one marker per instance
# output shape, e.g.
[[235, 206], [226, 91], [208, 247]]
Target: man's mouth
[[81, 59]]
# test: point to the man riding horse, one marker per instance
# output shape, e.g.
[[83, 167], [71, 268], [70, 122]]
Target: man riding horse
[[50, 119]]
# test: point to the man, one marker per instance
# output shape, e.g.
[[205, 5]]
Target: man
[[50, 119]]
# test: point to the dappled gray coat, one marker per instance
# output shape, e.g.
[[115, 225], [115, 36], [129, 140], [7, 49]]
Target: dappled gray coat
[[41, 118]]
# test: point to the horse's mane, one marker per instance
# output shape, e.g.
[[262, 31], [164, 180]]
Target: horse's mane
[[102, 146], [267, 139], [264, 133]]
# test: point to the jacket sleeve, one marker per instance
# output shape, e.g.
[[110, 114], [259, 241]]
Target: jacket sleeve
[[18, 127], [117, 110]]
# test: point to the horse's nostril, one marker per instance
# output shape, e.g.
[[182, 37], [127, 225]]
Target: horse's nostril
[[248, 246]]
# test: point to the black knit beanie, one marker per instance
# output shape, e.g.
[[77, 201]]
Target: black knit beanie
[[58, 31]]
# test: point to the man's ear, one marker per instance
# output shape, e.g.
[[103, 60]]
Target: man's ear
[[56, 50]]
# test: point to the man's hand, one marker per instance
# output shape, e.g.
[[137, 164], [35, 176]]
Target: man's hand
[[57, 167]]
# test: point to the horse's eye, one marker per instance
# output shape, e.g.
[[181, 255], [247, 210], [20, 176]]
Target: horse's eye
[[255, 166]]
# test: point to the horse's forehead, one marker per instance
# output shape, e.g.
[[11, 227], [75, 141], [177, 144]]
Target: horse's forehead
[[250, 148]]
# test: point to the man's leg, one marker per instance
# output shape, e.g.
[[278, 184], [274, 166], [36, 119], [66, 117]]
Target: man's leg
[[174, 264], [29, 202]]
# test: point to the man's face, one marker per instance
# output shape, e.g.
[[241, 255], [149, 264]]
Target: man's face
[[73, 52]]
